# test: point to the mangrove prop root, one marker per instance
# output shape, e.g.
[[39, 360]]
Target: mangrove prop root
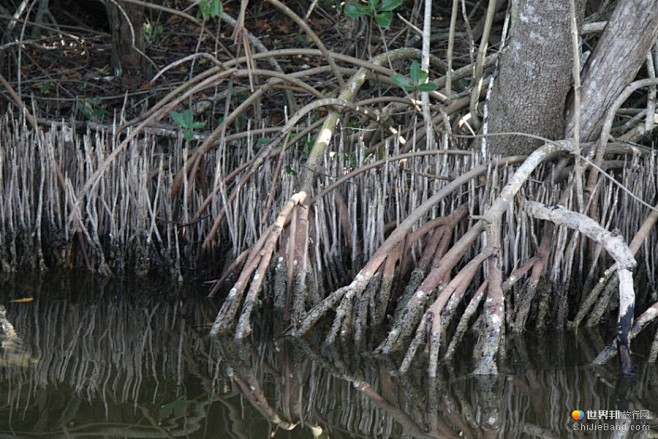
[[463, 324], [405, 323], [640, 323], [456, 288], [421, 335], [383, 293], [300, 263], [617, 248], [226, 316], [490, 343], [258, 264], [244, 324], [525, 302], [601, 305], [364, 276], [459, 285], [634, 246]]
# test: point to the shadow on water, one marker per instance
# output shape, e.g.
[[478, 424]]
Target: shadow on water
[[99, 358]]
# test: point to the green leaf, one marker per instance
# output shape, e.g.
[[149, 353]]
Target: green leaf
[[184, 119], [211, 8], [355, 10], [402, 82], [82, 109], [390, 5], [290, 170], [415, 72], [45, 87], [174, 408], [188, 117], [384, 19], [217, 9], [428, 86], [372, 5], [177, 117]]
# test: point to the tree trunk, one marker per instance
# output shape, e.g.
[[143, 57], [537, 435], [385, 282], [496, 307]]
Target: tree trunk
[[530, 91], [617, 57], [126, 21]]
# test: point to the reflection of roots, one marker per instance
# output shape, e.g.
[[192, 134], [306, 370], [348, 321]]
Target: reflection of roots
[[241, 359], [12, 350]]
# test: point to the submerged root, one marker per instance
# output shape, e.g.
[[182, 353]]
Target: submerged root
[[641, 323]]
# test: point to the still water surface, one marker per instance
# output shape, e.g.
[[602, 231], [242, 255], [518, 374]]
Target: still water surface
[[100, 358]]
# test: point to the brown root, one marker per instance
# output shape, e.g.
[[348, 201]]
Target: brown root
[[256, 265]]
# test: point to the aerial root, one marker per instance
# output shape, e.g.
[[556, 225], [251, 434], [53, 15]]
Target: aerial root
[[257, 263], [400, 234], [489, 343], [425, 311], [296, 291], [367, 305], [641, 323], [352, 302], [365, 296], [432, 325], [494, 313], [413, 310], [618, 250], [465, 320], [523, 301]]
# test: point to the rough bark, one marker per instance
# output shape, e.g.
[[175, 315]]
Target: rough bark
[[127, 37], [530, 91], [616, 59]]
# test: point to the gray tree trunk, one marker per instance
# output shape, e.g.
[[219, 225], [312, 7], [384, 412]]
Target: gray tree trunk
[[126, 21], [616, 59], [534, 76]]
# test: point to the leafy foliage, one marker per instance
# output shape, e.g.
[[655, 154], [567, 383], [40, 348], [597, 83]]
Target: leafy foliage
[[152, 31], [186, 121], [91, 109], [380, 10], [416, 81], [210, 8]]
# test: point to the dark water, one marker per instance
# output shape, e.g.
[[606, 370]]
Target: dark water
[[100, 358]]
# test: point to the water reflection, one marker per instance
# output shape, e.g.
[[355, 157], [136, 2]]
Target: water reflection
[[132, 359]]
